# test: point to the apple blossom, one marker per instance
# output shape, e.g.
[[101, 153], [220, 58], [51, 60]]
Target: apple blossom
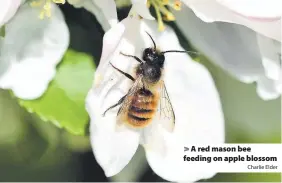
[[31, 49], [199, 118]]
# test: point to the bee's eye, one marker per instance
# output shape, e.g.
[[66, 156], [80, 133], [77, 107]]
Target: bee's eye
[[161, 59], [147, 54], [148, 51]]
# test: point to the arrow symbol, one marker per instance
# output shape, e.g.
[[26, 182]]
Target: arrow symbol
[[186, 149]]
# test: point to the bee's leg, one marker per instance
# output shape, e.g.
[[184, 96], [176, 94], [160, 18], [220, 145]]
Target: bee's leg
[[113, 106], [132, 56], [127, 75]]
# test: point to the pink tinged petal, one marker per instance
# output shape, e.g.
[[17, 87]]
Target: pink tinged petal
[[33, 53], [253, 9], [198, 112], [210, 11], [271, 56], [113, 144], [140, 6], [268, 89], [270, 86], [8, 9], [232, 47]]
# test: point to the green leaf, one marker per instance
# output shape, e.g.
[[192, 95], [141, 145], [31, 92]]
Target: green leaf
[[63, 103]]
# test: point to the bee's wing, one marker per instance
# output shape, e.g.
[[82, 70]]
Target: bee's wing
[[129, 96], [165, 108]]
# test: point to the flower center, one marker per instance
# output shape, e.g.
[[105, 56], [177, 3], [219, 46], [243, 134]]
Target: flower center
[[45, 6], [162, 12]]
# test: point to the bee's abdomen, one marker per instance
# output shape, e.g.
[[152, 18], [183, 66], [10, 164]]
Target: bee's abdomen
[[142, 108]]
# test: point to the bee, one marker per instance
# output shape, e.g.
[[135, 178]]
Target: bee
[[148, 94]]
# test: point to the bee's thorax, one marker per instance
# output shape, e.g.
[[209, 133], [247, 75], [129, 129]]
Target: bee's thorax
[[150, 72]]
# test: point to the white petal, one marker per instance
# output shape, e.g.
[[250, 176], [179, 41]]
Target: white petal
[[108, 7], [120, 38], [105, 11], [152, 139], [113, 145], [135, 170], [198, 113], [140, 6], [211, 11], [232, 47], [33, 47], [112, 148], [8, 9]]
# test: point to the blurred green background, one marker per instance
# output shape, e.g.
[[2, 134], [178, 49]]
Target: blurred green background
[[35, 150]]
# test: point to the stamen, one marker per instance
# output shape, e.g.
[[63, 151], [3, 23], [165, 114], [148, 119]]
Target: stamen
[[45, 6], [159, 16], [36, 3], [168, 16], [47, 9], [177, 5], [148, 4], [165, 2], [161, 9]]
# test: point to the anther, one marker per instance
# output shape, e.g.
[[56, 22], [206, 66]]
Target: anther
[[177, 5], [45, 6], [162, 12]]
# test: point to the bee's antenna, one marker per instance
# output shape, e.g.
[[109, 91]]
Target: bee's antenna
[[155, 47], [178, 51]]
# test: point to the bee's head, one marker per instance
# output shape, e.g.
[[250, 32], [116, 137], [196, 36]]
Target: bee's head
[[153, 56]]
